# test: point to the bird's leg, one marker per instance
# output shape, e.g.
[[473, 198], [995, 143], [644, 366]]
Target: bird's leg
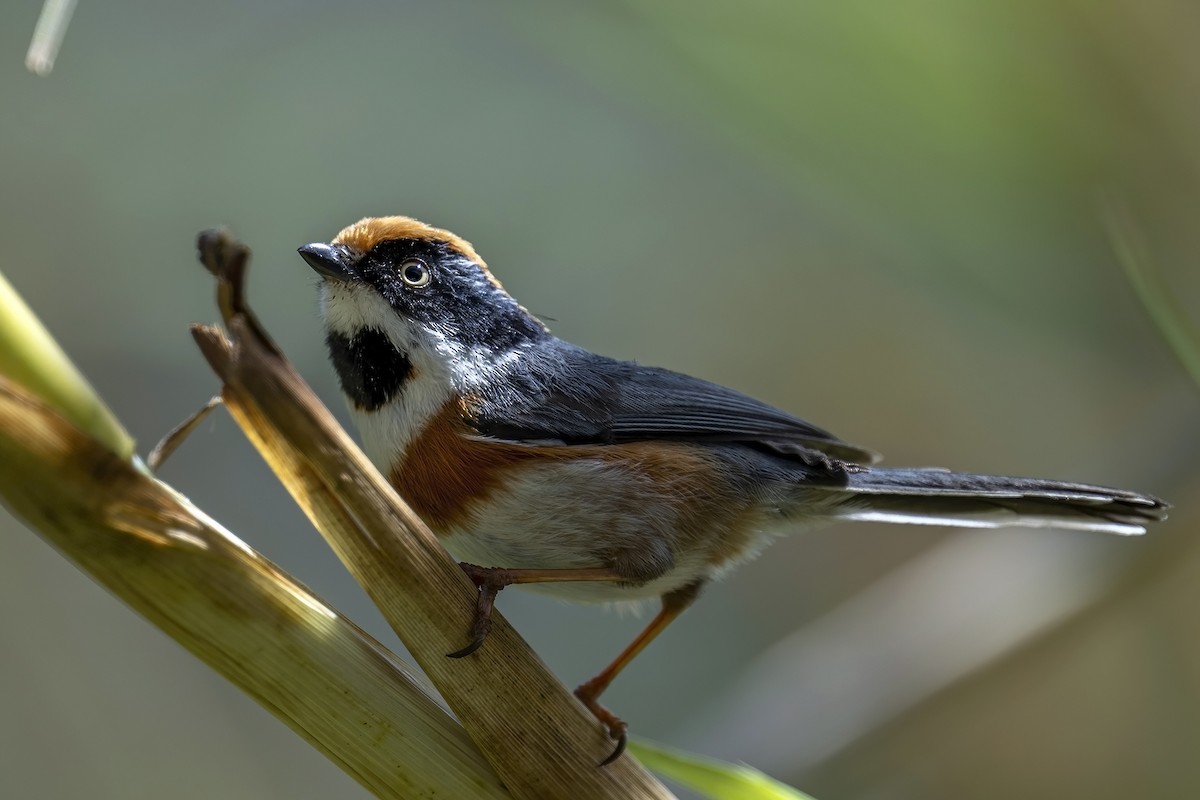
[[673, 604], [491, 580]]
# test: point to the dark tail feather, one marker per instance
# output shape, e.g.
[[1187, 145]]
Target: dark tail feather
[[940, 497]]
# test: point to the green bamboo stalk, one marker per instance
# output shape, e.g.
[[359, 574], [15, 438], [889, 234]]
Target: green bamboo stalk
[[30, 356]]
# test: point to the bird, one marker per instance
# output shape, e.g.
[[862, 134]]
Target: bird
[[542, 464]]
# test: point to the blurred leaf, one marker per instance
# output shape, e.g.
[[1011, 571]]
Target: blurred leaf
[[1155, 295], [712, 778]]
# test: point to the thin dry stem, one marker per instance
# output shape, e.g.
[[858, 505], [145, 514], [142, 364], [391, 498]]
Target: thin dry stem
[[539, 740]]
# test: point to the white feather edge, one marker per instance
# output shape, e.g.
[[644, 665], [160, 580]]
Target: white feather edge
[[1000, 519]]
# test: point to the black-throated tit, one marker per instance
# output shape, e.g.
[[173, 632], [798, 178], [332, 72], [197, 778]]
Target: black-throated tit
[[601, 480]]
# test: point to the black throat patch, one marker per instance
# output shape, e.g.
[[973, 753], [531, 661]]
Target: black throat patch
[[372, 371]]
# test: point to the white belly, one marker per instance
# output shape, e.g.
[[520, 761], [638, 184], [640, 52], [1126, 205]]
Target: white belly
[[568, 516]]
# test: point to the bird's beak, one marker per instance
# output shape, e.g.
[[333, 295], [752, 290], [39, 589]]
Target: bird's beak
[[331, 261]]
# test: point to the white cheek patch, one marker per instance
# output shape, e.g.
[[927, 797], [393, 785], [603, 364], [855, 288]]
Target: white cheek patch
[[347, 308]]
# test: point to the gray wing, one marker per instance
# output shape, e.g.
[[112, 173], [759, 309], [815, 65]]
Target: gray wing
[[559, 392]]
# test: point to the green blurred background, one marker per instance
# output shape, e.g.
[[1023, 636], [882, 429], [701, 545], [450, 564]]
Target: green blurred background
[[883, 217]]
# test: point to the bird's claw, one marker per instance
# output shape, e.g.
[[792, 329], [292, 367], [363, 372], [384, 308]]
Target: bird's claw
[[616, 726], [490, 581]]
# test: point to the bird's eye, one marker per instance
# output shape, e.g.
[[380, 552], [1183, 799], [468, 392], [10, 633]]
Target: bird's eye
[[414, 272]]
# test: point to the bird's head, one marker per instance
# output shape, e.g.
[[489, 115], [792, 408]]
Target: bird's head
[[424, 290]]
